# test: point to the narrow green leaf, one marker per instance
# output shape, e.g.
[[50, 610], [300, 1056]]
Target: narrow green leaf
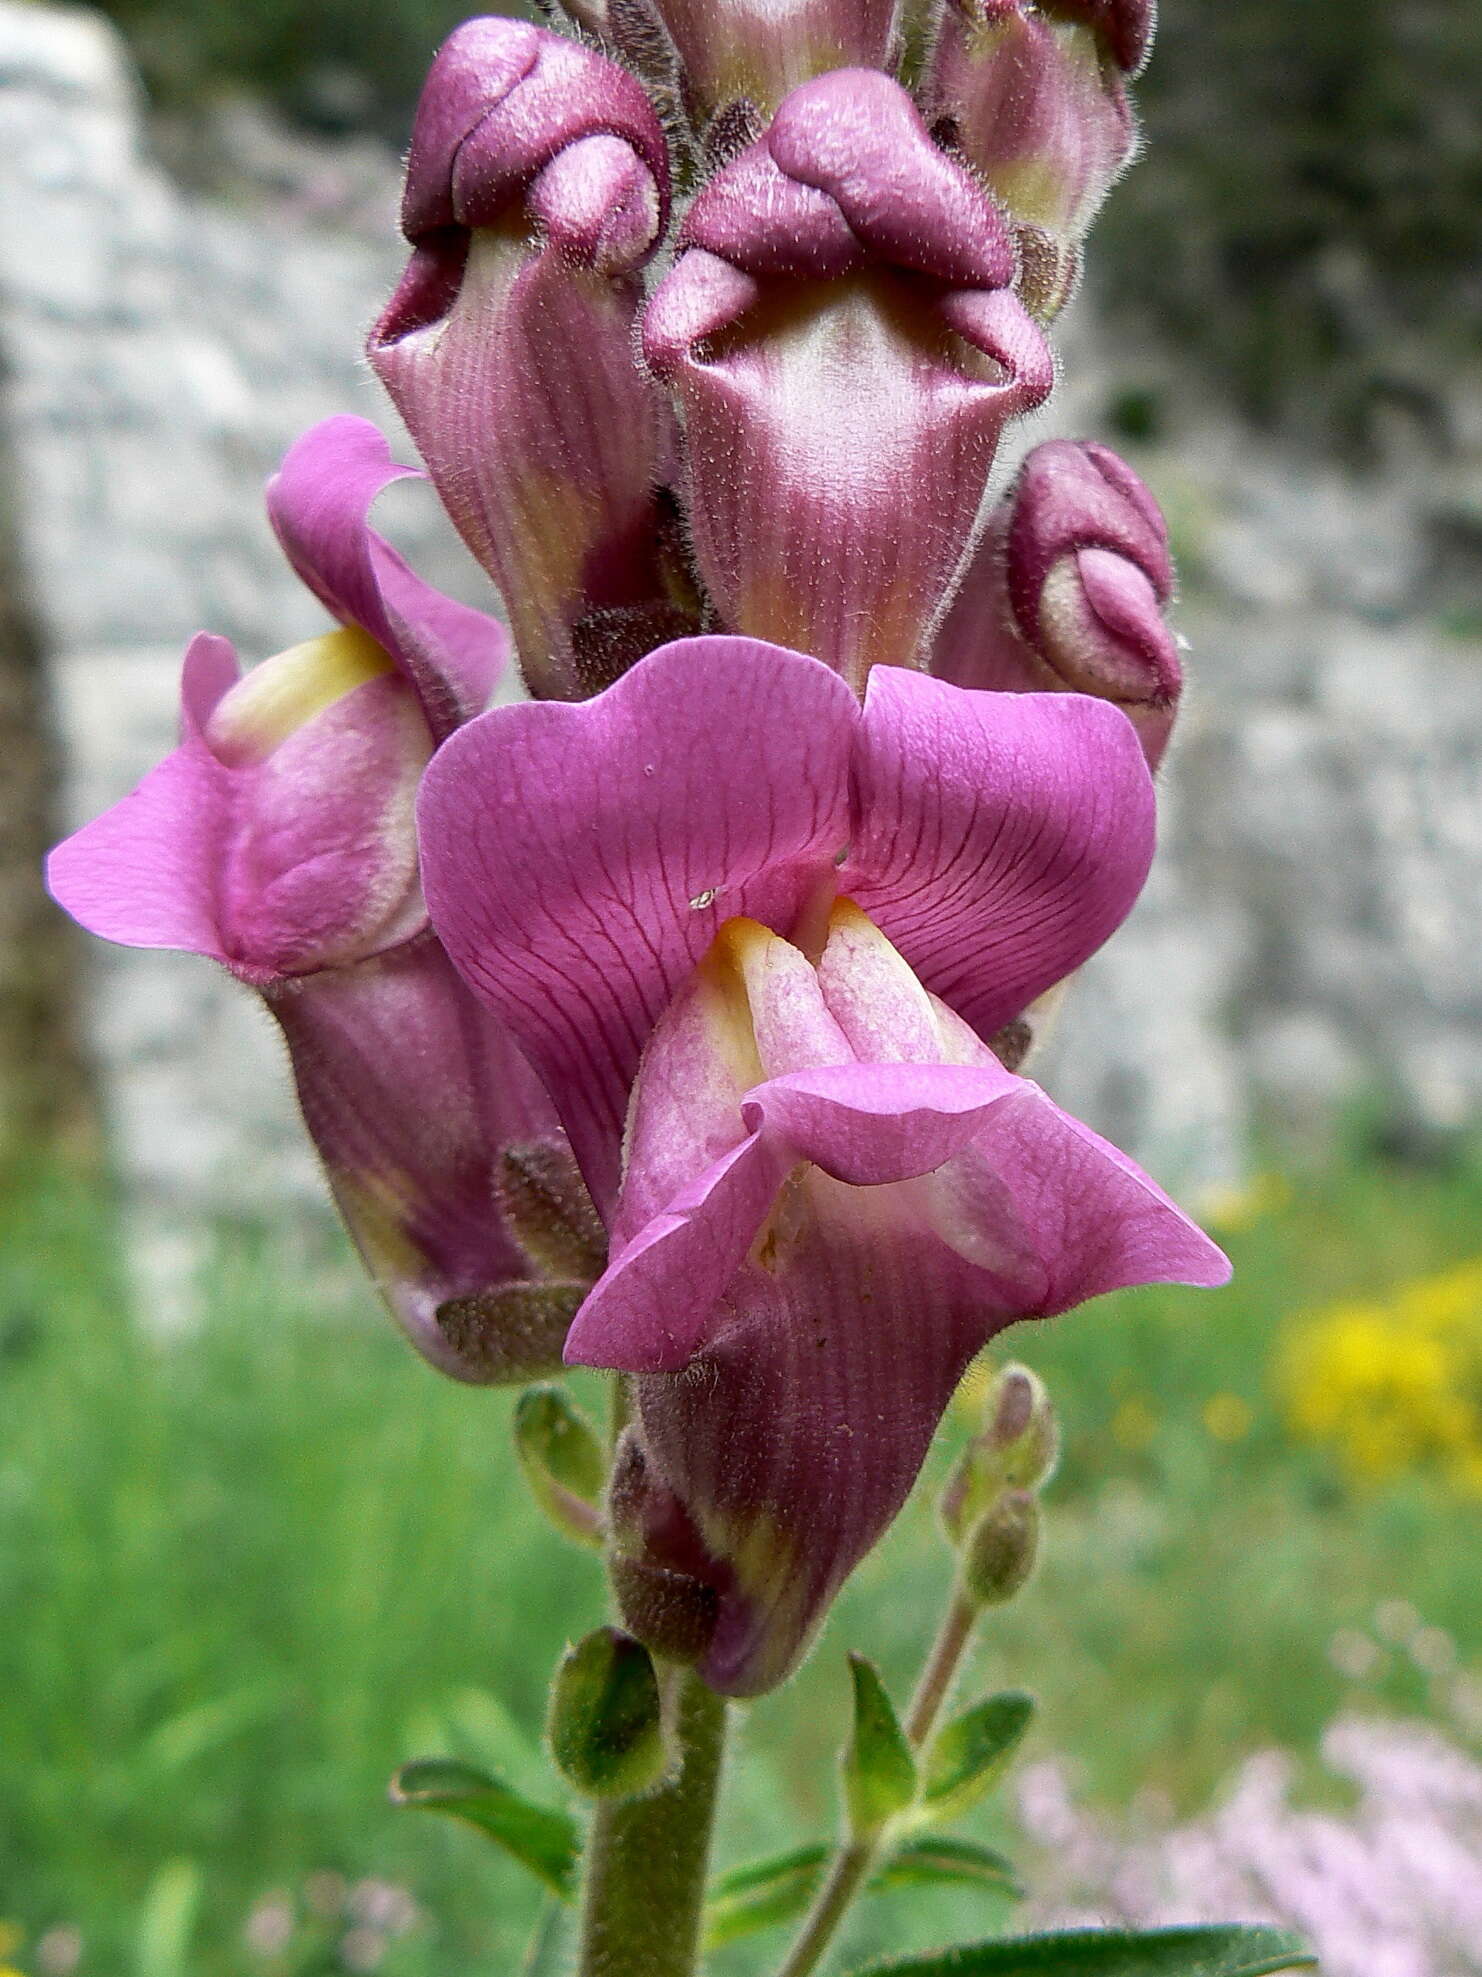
[[539, 1837], [1201, 1952], [879, 1767], [762, 1894], [963, 1862], [171, 1905], [972, 1752], [766, 1893]]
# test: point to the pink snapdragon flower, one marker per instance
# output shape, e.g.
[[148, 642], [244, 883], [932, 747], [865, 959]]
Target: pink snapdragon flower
[[278, 840], [759, 944]]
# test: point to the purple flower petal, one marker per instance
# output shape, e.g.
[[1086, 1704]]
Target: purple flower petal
[[577, 860], [999, 839], [318, 502], [144, 873]]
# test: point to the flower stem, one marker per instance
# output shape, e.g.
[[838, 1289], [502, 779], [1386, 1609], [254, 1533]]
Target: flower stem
[[855, 1860], [647, 1857]]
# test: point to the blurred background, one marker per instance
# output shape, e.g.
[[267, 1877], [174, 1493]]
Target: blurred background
[[254, 1555]]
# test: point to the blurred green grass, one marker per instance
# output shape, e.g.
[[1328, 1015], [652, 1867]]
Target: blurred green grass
[[246, 1573]]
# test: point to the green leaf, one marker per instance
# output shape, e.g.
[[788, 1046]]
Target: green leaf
[[879, 1767], [926, 1861], [972, 1752], [1202, 1952], [765, 1893], [539, 1837], [171, 1905]]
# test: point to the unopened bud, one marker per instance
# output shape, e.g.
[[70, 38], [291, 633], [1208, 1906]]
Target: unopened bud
[[562, 1462], [999, 1554], [1067, 589], [1015, 1449], [1034, 99], [605, 1719]]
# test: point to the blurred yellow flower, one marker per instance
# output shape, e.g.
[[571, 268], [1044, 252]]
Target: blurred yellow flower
[[1134, 1424], [12, 1935], [1232, 1208], [1228, 1418], [1394, 1385]]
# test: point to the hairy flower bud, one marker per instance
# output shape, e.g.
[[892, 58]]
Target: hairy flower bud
[[606, 1728], [1067, 588], [1034, 99], [753, 51], [999, 1553], [1015, 1449], [846, 349], [537, 185]]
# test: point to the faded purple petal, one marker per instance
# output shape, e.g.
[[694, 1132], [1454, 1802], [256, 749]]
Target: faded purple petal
[[840, 336], [411, 1092], [318, 503], [999, 839], [537, 183], [577, 860], [1067, 588]]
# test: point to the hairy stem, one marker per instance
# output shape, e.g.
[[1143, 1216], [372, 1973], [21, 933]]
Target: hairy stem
[[854, 1862], [647, 1857]]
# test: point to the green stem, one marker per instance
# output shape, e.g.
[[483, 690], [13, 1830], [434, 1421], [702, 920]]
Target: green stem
[[647, 1857], [855, 1861]]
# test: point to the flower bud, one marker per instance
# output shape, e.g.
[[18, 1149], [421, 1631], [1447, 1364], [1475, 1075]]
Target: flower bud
[[537, 185], [1000, 1551], [752, 52], [1016, 1448], [1067, 588], [561, 1460], [1034, 99], [605, 1720], [842, 338]]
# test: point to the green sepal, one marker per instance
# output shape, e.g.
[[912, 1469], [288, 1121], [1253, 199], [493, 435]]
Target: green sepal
[[971, 1753], [879, 1766], [763, 1894], [605, 1724], [539, 1837], [561, 1460], [1196, 1952]]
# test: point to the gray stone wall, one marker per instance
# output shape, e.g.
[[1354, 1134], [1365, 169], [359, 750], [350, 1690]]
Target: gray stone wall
[[1312, 925]]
